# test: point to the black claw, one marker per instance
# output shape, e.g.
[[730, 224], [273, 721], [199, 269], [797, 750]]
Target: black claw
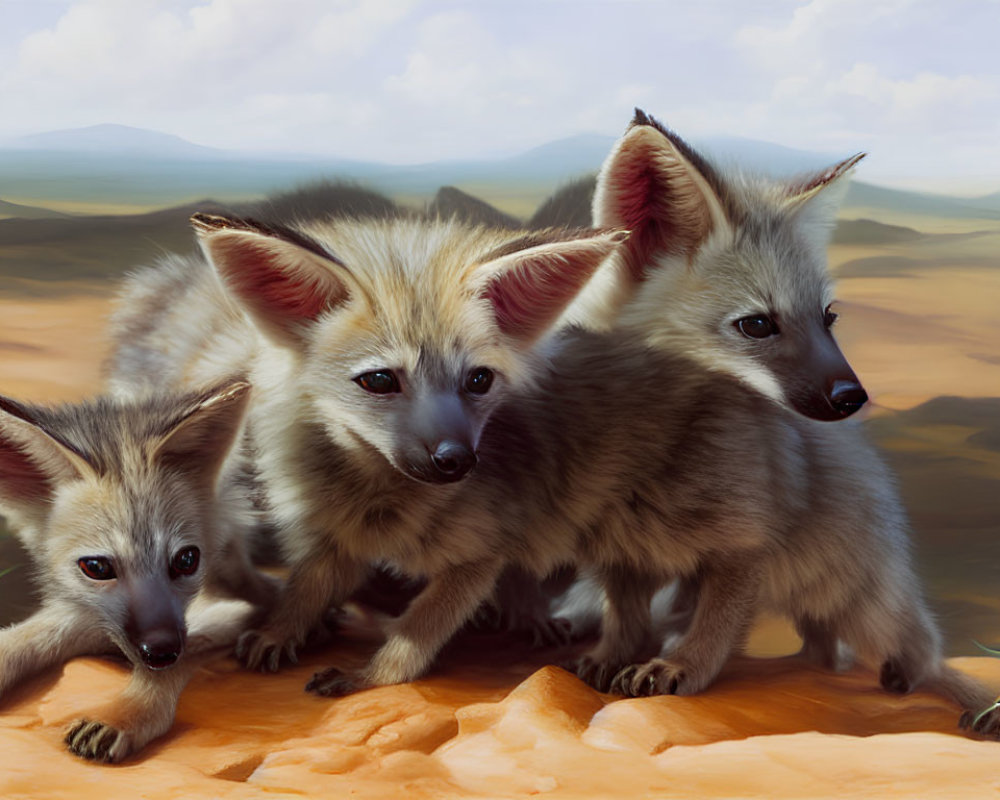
[[893, 678], [333, 683], [622, 682]]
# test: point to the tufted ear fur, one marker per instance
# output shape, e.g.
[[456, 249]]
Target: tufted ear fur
[[198, 442], [282, 278], [530, 288], [33, 463], [661, 190], [814, 199]]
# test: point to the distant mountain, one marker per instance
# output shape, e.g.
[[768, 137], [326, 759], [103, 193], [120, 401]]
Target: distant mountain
[[452, 202], [87, 248], [865, 195], [867, 231], [116, 164], [114, 139], [27, 212], [764, 157], [569, 206], [990, 201]]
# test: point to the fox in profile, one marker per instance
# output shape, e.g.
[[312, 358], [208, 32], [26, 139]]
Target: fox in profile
[[726, 267], [726, 275], [116, 502], [378, 350]]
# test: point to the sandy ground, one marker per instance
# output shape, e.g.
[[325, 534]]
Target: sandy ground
[[51, 350], [924, 335], [768, 729]]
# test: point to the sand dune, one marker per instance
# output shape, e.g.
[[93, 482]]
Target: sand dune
[[769, 728]]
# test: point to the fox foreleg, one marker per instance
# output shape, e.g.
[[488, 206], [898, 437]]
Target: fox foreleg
[[447, 602], [50, 636], [314, 585], [727, 600]]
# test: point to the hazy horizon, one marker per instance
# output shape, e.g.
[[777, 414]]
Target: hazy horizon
[[407, 82]]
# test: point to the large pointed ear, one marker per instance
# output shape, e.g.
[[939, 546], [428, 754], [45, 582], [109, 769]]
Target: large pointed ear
[[660, 189], [33, 464], [198, 442], [531, 286], [284, 279], [816, 198]]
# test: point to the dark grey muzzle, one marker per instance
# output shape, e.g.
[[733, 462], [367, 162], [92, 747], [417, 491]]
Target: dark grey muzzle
[[156, 622], [819, 382]]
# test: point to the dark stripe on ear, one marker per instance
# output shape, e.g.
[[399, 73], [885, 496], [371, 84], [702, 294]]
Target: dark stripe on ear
[[707, 171], [195, 400], [214, 222], [16, 409], [544, 236], [640, 118], [814, 181]]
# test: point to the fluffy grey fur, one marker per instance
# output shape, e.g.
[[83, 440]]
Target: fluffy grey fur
[[130, 485], [309, 311], [641, 467]]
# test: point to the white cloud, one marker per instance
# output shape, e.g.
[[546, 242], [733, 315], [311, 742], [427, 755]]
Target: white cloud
[[418, 80], [178, 67], [925, 95]]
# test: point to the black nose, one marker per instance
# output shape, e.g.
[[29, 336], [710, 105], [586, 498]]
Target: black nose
[[453, 461], [846, 397], [161, 649]]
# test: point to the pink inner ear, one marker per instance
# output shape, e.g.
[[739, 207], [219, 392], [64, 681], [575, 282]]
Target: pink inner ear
[[20, 476], [658, 203], [260, 277], [527, 298], [634, 192]]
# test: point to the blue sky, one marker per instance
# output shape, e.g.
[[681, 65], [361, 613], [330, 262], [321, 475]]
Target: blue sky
[[916, 83]]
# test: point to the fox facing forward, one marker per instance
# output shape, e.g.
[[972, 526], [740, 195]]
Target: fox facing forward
[[378, 350], [117, 504]]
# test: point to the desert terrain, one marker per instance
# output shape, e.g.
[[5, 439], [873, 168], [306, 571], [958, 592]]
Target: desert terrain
[[918, 304]]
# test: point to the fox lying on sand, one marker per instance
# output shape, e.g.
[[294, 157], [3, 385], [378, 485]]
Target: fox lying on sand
[[378, 350], [116, 503]]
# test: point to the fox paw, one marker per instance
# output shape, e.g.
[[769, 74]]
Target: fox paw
[[985, 722], [97, 741], [263, 650], [656, 676], [596, 674], [550, 632], [333, 682]]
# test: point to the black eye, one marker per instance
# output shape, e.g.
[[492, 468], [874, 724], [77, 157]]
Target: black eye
[[379, 382], [97, 568], [185, 562], [829, 317], [479, 381], [759, 326]]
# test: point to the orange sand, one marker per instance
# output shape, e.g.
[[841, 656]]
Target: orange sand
[[51, 350], [773, 728]]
